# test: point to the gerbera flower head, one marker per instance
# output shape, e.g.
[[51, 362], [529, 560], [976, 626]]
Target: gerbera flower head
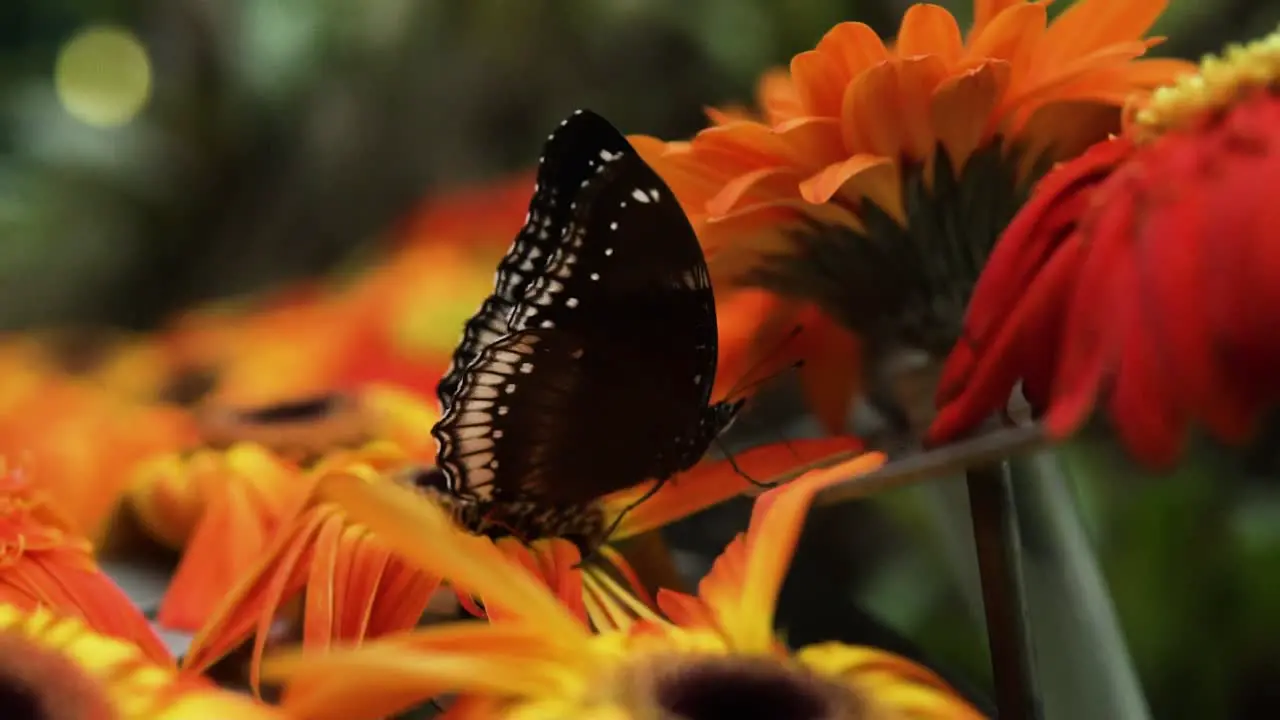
[[57, 668], [357, 584], [223, 503], [272, 349], [45, 564], [714, 655], [877, 177], [79, 436], [1140, 279]]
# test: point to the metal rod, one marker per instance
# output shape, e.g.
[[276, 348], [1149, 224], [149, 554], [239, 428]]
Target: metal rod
[[995, 533]]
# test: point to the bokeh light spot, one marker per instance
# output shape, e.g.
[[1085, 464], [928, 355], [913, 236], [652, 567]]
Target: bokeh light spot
[[103, 76]]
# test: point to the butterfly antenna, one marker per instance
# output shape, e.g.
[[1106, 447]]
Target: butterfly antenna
[[733, 463], [743, 385], [613, 526]]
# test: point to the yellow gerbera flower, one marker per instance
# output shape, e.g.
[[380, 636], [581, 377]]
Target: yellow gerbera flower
[[356, 586], [55, 667], [714, 656], [879, 176]]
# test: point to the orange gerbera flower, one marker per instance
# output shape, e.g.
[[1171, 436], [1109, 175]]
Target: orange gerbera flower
[[713, 656], [45, 564], [79, 439], [1141, 279], [357, 587], [268, 350], [57, 667], [414, 307], [482, 216], [224, 503], [880, 176]]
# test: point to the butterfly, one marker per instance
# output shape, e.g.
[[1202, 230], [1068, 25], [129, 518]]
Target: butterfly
[[589, 368]]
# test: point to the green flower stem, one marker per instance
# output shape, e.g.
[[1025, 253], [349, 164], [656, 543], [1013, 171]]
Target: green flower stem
[[1080, 652], [997, 539]]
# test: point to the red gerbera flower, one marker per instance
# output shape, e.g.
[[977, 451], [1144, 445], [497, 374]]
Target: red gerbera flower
[[1141, 280]]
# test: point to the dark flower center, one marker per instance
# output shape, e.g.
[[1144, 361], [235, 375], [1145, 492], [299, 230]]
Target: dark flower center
[[745, 689], [294, 410], [305, 428], [189, 386], [39, 684]]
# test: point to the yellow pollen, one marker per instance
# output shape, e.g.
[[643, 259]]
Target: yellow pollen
[[1221, 81]]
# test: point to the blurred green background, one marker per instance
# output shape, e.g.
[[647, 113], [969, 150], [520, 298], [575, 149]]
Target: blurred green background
[[283, 138]]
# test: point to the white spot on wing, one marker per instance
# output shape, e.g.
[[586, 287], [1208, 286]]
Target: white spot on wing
[[639, 195]]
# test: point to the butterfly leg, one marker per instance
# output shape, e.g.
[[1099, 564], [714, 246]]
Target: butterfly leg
[[733, 463], [604, 537]]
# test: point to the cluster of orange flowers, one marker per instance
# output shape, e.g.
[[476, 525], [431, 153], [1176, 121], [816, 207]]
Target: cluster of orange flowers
[[272, 447]]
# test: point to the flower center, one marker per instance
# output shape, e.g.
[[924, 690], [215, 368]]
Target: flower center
[[188, 386], [1221, 82], [307, 427], [37, 683], [744, 688]]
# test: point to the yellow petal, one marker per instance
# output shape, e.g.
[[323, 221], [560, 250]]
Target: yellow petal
[[422, 533]]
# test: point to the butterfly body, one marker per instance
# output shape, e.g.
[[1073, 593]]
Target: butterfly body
[[590, 368]]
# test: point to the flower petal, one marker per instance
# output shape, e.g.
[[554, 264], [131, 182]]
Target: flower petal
[[776, 522], [422, 533], [227, 541], [832, 374], [962, 107], [390, 675], [874, 177], [280, 575], [930, 30], [710, 483]]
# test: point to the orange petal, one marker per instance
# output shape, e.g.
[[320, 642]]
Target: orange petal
[[1011, 36], [1089, 25], [67, 584], [280, 575], [777, 96], [403, 596], [819, 82], [776, 522], [812, 141], [763, 185], [322, 586], [984, 11], [930, 30], [963, 106], [684, 610], [873, 177], [228, 540], [713, 482], [850, 48], [743, 316], [422, 533], [832, 373]]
